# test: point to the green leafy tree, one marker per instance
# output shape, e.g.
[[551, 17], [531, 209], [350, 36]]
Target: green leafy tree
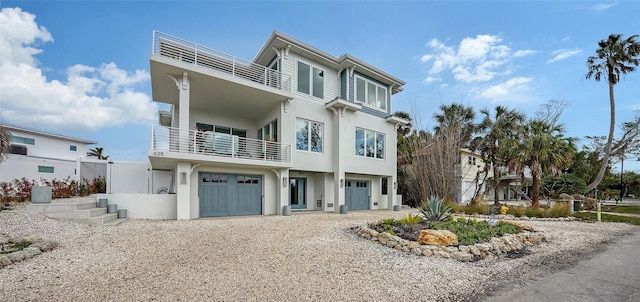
[[456, 116], [493, 130], [615, 56], [541, 146]]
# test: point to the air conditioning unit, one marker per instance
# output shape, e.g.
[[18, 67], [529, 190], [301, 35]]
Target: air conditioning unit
[[18, 149]]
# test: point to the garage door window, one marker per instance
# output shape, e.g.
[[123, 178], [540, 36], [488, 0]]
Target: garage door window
[[219, 178], [247, 179]]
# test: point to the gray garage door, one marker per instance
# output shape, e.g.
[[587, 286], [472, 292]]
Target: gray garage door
[[229, 195], [357, 195]]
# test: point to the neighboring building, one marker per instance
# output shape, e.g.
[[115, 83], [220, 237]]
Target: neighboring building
[[511, 187], [41, 155], [294, 127], [471, 174]]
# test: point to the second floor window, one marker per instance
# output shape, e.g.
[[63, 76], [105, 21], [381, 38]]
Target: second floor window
[[309, 135], [472, 160], [310, 80], [369, 143]]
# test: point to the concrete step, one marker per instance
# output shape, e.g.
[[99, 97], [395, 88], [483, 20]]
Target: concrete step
[[59, 207], [77, 214], [100, 219]]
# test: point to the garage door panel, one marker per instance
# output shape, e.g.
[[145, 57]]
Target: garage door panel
[[229, 195], [357, 194], [246, 203]]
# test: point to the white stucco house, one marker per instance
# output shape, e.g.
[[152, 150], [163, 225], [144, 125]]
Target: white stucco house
[[294, 128], [39, 155]]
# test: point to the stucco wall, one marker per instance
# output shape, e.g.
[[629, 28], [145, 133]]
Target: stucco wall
[[145, 206]]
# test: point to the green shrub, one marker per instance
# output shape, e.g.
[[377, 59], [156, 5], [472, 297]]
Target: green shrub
[[411, 219], [560, 209], [534, 212], [435, 209], [474, 231], [517, 211]]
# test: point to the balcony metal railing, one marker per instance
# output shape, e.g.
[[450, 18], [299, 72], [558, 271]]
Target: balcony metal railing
[[167, 139], [192, 53]]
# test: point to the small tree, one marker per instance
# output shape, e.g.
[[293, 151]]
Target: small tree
[[5, 143], [97, 152]]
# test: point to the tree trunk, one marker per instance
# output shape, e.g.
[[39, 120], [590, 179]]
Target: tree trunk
[[535, 189], [607, 149], [496, 184]]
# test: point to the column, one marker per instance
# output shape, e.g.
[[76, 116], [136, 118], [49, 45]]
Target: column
[[183, 190], [183, 113]]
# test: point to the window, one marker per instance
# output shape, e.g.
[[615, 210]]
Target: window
[[23, 140], [385, 184], [371, 94], [309, 135], [18, 149], [269, 132], [472, 160], [73, 148], [369, 143], [45, 169], [310, 80]]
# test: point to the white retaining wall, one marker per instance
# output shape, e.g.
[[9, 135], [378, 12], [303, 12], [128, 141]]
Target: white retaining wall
[[145, 206]]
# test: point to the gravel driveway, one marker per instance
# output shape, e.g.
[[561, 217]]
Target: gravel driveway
[[304, 257]]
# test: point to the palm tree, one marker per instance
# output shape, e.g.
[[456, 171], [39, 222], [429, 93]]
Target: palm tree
[[5, 143], [97, 152], [405, 129], [456, 116], [614, 57], [542, 147], [494, 129]]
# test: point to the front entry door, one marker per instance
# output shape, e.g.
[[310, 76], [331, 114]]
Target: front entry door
[[298, 193]]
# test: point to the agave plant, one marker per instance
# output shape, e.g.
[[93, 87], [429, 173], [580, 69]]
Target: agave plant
[[435, 210]]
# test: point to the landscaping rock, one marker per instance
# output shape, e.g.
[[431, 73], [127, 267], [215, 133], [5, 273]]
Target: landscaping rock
[[427, 253], [4, 260], [437, 237], [416, 251]]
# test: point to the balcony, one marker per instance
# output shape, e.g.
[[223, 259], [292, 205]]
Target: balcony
[[192, 53], [192, 145]]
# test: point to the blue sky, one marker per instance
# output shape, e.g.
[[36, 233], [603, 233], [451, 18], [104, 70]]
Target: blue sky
[[81, 68]]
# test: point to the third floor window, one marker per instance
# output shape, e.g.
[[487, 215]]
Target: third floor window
[[310, 80]]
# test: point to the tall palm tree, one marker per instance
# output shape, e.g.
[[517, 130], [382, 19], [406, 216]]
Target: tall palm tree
[[542, 147], [614, 57], [494, 129], [97, 152], [5, 143], [456, 116]]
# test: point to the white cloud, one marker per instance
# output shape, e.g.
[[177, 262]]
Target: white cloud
[[90, 97], [524, 53], [474, 60], [510, 90], [562, 54], [601, 7], [431, 80]]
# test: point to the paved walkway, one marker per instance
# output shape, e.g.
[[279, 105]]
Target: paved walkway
[[609, 276]]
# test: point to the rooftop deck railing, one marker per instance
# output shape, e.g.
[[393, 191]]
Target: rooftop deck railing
[[167, 139], [192, 53]]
